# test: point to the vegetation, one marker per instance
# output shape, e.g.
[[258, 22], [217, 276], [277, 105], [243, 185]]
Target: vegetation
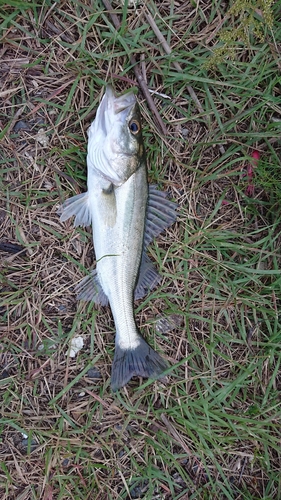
[[247, 20], [212, 430]]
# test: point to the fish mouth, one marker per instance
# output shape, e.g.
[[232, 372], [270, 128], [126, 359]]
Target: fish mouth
[[119, 104], [114, 109]]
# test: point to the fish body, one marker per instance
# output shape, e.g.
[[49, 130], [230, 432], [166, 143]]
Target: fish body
[[125, 214]]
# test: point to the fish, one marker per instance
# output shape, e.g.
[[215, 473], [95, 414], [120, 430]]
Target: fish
[[126, 214]]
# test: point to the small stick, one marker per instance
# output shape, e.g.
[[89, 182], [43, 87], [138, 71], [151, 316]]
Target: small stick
[[69, 178], [49, 97], [176, 436], [168, 50], [137, 71], [174, 433]]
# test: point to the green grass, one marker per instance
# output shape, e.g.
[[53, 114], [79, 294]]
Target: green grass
[[213, 430]]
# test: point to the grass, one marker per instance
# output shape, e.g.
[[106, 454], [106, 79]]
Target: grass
[[213, 430]]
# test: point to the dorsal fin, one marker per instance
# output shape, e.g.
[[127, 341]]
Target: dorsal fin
[[161, 213]]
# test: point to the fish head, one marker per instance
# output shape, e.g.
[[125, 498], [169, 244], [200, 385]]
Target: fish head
[[115, 145]]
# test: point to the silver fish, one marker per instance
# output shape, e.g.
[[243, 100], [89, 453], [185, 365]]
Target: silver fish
[[126, 214]]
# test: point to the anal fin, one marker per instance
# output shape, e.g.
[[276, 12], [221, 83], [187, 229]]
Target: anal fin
[[90, 289], [149, 278]]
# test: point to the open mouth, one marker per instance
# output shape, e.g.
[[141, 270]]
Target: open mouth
[[113, 109], [119, 104]]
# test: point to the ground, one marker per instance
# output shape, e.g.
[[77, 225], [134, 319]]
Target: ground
[[212, 428]]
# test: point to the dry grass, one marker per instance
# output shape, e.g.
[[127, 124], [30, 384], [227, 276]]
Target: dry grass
[[213, 431]]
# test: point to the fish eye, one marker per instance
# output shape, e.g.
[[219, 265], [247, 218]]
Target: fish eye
[[134, 127]]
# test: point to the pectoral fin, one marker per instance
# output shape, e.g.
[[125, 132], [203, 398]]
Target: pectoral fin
[[79, 206], [161, 213]]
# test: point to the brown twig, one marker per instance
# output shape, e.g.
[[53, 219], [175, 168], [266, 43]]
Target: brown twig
[[68, 177], [168, 50], [176, 436], [174, 433], [137, 71], [123, 79], [50, 96]]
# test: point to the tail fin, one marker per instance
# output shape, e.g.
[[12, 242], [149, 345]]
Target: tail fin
[[142, 361]]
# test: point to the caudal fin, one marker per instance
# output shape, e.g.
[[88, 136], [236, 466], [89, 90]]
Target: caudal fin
[[142, 361]]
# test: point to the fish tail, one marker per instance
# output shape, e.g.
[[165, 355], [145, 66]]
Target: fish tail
[[142, 361]]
